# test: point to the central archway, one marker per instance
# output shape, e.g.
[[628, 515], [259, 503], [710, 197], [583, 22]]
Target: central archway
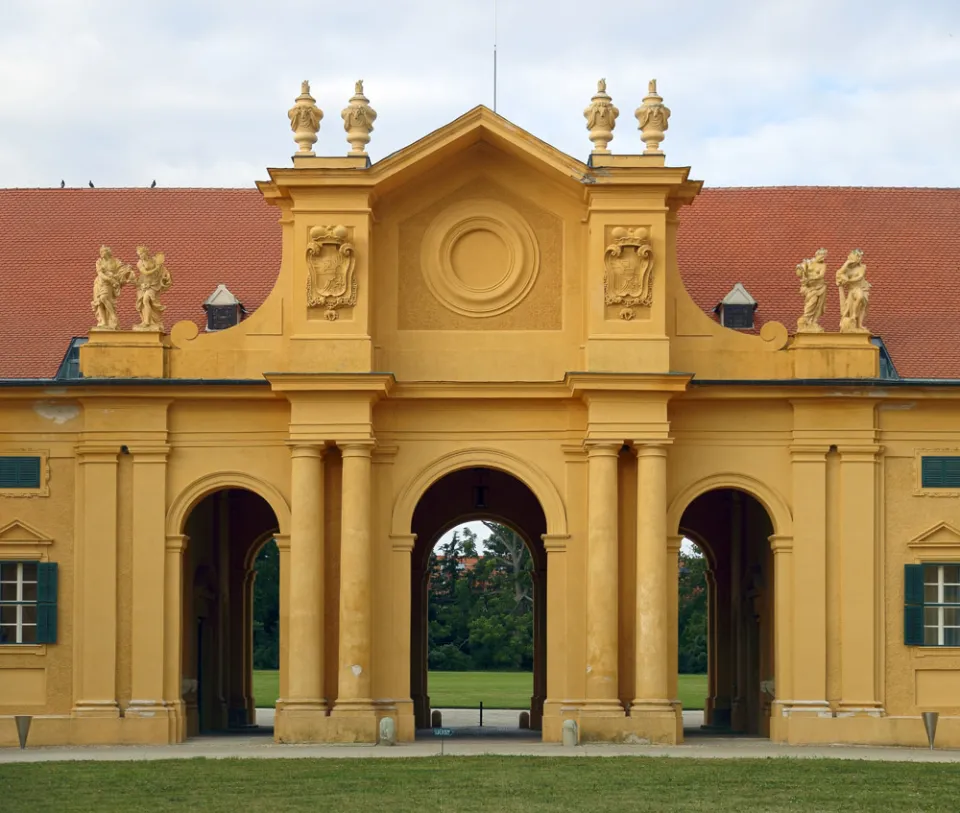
[[462, 495]]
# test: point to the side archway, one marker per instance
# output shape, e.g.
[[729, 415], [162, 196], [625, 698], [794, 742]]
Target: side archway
[[188, 498], [532, 476], [774, 503]]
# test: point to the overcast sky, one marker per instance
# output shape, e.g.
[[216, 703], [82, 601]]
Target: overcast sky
[[195, 93]]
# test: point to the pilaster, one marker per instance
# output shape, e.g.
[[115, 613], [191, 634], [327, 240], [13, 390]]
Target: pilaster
[[809, 469], [783, 619], [174, 549], [95, 613], [149, 578], [859, 572]]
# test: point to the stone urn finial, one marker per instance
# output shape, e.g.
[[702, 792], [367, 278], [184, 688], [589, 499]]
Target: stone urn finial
[[305, 119], [358, 119], [652, 116], [601, 116]]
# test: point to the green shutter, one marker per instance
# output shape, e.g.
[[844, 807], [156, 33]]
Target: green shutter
[[913, 584], [913, 626], [46, 602], [940, 472], [19, 472]]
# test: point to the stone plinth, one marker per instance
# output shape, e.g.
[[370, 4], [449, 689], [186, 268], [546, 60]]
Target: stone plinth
[[123, 354], [834, 355]]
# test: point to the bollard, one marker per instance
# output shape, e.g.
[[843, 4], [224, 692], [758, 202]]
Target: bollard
[[570, 733], [23, 728], [930, 723], [481, 714], [436, 719], [525, 720], [388, 731]]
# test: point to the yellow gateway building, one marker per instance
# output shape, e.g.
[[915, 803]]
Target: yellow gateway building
[[480, 327]]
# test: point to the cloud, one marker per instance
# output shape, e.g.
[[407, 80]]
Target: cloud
[[195, 92]]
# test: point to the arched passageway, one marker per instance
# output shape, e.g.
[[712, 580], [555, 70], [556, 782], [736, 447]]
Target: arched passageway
[[461, 496], [225, 531], [732, 528]]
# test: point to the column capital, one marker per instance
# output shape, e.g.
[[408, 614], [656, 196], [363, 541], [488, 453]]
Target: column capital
[[555, 543], [177, 542], [780, 544], [283, 542], [149, 454], [403, 543], [602, 448], [808, 453], [96, 453], [652, 449], [356, 448], [301, 449], [859, 453]]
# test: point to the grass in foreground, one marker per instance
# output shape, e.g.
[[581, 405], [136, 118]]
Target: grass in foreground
[[497, 690], [466, 784]]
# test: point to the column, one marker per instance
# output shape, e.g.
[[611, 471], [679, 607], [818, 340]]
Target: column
[[354, 677], [176, 545], [555, 624], [95, 630], [653, 619], [250, 706], [149, 580], [602, 586], [673, 631], [858, 580], [782, 547], [283, 548], [305, 668], [737, 616], [711, 698], [809, 467]]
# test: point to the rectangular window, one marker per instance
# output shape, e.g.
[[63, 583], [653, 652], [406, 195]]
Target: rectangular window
[[932, 605], [940, 472], [28, 602], [19, 472]]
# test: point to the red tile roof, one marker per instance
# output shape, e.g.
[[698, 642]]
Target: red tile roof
[[911, 243], [49, 240], [911, 238]]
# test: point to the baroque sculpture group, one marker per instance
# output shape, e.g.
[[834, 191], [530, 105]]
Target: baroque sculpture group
[[112, 274], [851, 279], [331, 284]]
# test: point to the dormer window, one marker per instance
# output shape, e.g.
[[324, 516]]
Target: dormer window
[[223, 309], [736, 309]]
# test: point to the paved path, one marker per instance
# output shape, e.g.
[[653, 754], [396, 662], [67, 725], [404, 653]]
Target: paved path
[[259, 745]]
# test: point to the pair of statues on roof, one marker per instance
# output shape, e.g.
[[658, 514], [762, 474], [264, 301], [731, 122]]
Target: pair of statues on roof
[[152, 279], [851, 280]]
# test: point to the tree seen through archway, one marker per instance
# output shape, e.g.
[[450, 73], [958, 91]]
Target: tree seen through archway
[[481, 602]]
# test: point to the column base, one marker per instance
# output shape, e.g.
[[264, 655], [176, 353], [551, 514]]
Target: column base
[[362, 707], [148, 708], [301, 722], [602, 708], [96, 708], [648, 728], [858, 710]]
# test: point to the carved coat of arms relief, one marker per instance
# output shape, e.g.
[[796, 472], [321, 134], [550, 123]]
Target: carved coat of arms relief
[[331, 258], [628, 274]]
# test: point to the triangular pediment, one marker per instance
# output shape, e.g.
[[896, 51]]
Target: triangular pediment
[[20, 533], [480, 124], [943, 534]]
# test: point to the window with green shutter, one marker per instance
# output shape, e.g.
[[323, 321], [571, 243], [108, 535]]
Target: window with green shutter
[[940, 471], [19, 472], [28, 602], [931, 612]]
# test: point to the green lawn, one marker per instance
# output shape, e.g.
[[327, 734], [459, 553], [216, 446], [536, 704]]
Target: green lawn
[[468, 784], [503, 690]]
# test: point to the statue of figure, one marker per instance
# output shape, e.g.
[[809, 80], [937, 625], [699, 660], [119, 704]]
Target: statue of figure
[[854, 293], [813, 289], [153, 280], [112, 275]]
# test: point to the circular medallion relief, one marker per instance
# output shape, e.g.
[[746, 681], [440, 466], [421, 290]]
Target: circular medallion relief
[[479, 257]]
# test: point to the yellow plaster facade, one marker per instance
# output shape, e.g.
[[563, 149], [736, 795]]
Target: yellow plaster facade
[[479, 306]]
